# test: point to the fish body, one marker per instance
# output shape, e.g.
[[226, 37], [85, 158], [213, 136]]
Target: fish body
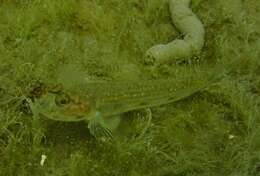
[[116, 98], [100, 102]]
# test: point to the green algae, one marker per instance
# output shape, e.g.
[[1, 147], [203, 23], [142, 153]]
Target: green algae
[[212, 133]]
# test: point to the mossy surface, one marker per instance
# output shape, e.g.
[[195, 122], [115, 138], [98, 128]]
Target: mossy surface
[[43, 43]]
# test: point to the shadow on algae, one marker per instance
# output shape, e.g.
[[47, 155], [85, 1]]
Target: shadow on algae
[[47, 43]]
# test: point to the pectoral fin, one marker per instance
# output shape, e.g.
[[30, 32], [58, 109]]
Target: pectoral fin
[[103, 127]]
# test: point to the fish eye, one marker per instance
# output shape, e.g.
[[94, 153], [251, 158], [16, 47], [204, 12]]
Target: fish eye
[[62, 99]]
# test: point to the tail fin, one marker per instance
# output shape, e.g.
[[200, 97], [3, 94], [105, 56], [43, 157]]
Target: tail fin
[[220, 72]]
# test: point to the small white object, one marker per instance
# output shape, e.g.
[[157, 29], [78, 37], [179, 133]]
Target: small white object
[[43, 158], [231, 136]]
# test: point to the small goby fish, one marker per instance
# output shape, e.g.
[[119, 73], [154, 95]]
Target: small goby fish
[[101, 103]]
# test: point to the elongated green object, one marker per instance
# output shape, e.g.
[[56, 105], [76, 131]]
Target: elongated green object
[[189, 25], [101, 103]]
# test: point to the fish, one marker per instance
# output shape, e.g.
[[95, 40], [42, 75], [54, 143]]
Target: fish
[[101, 103]]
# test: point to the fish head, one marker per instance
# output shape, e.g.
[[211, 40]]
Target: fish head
[[62, 106]]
